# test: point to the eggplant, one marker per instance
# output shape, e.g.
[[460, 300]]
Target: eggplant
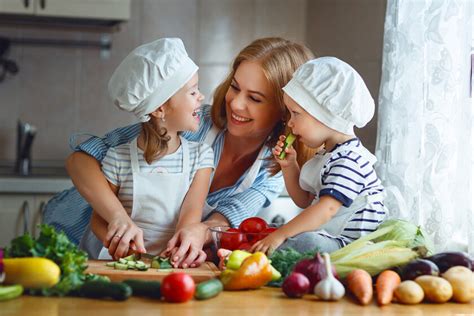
[[419, 267], [446, 260]]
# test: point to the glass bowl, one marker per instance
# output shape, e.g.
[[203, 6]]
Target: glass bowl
[[232, 239]]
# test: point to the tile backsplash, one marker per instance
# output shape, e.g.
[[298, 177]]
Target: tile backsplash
[[64, 90]]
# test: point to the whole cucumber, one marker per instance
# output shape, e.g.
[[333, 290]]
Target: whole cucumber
[[102, 289], [446, 260], [145, 288], [208, 289], [419, 267]]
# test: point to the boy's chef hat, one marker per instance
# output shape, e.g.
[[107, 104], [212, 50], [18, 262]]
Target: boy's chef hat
[[150, 75], [333, 93]]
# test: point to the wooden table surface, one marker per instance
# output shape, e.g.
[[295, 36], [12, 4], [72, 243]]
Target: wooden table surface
[[266, 301]]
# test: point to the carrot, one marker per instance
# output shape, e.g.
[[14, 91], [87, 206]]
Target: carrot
[[359, 283], [385, 286]]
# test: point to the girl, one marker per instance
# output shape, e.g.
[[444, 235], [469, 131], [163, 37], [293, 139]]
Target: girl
[[160, 178], [338, 189]]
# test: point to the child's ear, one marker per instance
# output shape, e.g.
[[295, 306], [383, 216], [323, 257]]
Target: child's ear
[[159, 112]]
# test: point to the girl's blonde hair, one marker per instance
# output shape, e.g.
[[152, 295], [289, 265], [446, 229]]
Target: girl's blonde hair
[[279, 59]]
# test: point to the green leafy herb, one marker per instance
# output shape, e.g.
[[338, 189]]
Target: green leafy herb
[[285, 260], [57, 247]]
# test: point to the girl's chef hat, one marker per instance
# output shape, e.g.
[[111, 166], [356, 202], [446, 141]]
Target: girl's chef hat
[[150, 75], [332, 92]]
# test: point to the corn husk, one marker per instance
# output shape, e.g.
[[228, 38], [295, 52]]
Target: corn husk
[[374, 257]]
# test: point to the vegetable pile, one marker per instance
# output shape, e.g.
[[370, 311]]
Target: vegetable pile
[[56, 247], [249, 232]]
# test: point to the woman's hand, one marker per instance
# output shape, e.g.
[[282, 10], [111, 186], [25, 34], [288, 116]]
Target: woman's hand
[[290, 158], [185, 247], [122, 236]]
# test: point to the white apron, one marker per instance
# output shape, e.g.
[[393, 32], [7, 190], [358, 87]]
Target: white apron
[[246, 182], [310, 180], [157, 200]]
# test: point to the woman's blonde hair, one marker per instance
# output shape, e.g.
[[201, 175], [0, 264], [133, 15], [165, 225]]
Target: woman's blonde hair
[[279, 59]]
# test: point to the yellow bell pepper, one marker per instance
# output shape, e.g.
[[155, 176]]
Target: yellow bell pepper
[[254, 272]]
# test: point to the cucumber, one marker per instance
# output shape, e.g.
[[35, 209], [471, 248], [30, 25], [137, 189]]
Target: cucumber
[[144, 288], [208, 289], [10, 292], [101, 289], [289, 140]]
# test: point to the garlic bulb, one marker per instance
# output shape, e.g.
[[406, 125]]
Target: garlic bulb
[[329, 289]]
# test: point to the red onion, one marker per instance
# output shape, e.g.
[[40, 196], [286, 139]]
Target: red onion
[[295, 285], [313, 269]]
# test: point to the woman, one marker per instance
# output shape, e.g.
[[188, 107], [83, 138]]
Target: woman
[[242, 125]]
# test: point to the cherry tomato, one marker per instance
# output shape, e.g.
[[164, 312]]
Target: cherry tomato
[[253, 225], [233, 240], [178, 287]]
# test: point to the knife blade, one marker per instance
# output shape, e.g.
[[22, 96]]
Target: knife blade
[[140, 256]]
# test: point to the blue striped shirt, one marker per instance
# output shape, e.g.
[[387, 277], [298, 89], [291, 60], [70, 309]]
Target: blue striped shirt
[[348, 175], [68, 211]]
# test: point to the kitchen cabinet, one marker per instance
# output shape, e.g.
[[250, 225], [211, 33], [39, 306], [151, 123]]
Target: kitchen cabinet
[[20, 213], [83, 9]]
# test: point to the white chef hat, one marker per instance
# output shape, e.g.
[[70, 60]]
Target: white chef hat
[[150, 75], [333, 93]]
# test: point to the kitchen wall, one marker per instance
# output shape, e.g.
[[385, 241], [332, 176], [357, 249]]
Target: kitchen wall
[[64, 90], [351, 30]]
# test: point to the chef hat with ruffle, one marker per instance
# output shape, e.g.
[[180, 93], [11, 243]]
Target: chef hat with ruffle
[[150, 75], [332, 92]]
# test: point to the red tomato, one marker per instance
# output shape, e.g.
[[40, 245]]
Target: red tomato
[[245, 246], [178, 287], [253, 225], [232, 241], [264, 233]]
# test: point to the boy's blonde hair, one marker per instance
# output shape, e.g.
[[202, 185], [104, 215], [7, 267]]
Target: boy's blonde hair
[[279, 59]]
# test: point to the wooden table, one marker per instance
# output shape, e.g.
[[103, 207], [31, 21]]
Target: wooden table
[[266, 301]]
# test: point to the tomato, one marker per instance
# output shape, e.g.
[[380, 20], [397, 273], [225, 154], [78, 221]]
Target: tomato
[[178, 287], [264, 233], [245, 246], [253, 225], [233, 240]]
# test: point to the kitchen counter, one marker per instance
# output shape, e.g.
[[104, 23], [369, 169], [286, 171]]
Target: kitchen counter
[[267, 301], [42, 180]]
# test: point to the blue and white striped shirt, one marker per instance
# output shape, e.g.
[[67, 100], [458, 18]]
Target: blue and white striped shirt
[[347, 175], [68, 211]]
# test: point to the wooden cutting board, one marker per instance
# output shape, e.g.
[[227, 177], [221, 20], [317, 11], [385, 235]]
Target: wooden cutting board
[[206, 271]]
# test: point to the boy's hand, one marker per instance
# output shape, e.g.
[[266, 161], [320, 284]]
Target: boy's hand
[[269, 243], [290, 158]]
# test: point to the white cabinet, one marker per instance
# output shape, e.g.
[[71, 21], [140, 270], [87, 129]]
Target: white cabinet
[[20, 213], [85, 9]]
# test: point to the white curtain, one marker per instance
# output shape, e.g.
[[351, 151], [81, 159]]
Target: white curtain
[[425, 127]]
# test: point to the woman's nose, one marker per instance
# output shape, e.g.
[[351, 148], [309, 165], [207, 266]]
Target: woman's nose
[[238, 101]]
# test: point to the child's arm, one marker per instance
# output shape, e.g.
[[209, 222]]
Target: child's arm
[[309, 219], [291, 174], [193, 204]]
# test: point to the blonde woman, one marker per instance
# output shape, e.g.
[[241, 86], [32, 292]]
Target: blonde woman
[[242, 126]]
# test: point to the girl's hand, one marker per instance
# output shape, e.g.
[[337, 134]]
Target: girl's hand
[[120, 232], [185, 247], [268, 244], [291, 155]]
